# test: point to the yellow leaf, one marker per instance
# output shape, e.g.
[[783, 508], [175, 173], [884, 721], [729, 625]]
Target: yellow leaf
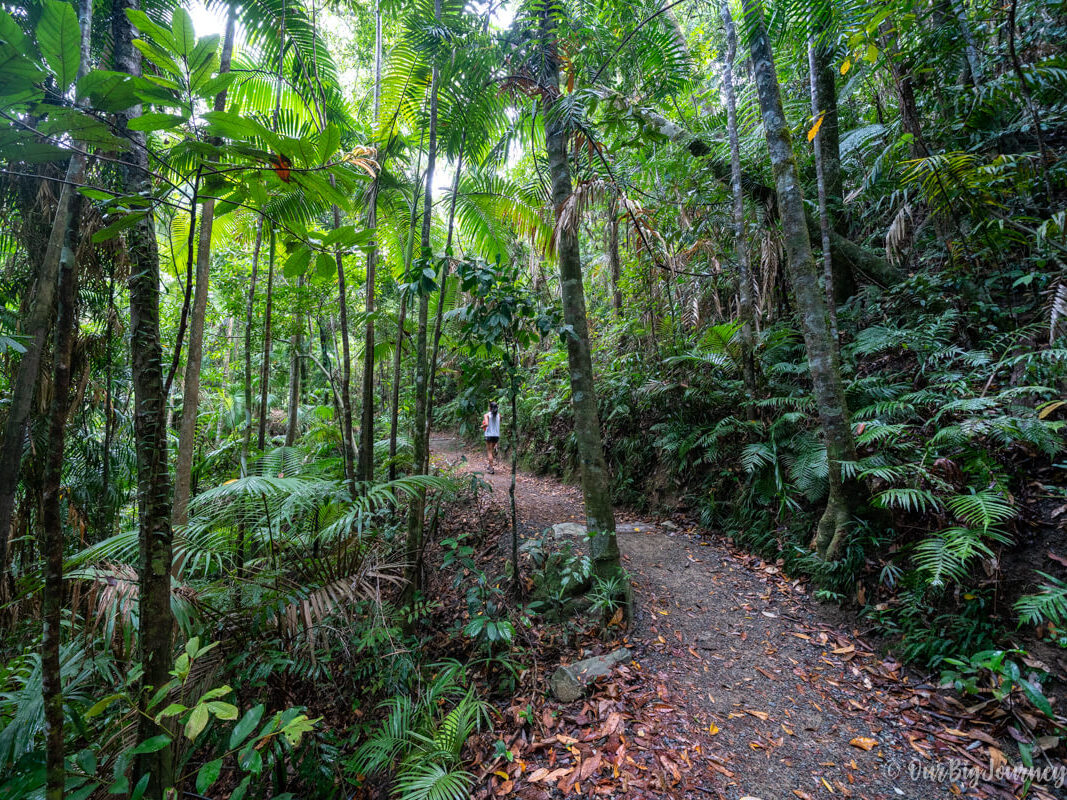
[[713, 729], [872, 53], [815, 128], [846, 66], [1048, 409], [503, 775], [829, 788], [864, 742]]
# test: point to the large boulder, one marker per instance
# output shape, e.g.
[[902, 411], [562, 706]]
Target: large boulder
[[568, 530], [569, 682]]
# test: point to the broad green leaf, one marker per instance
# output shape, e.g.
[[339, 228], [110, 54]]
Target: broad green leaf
[[141, 787], [325, 266], [218, 691], [225, 711], [109, 91], [159, 57], [144, 24], [329, 141], [172, 710], [204, 61], [101, 705], [153, 745], [198, 720], [81, 127], [118, 226], [181, 27], [208, 774], [245, 727], [59, 35], [212, 87], [297, 263], [242, 789], [156, 121], [17, 74], [11, 32], [250, 760]]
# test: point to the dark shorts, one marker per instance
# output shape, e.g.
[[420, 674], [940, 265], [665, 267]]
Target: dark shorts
[[492, 439]]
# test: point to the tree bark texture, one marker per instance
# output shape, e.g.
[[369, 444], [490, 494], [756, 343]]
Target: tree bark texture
[[823, 355], [264, 368], [744, 276], [51, 516], [596, 482], [421, 440], [194, 354], [150, 435]]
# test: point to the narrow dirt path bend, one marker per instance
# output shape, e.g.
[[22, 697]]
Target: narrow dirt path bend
[[781, 697]]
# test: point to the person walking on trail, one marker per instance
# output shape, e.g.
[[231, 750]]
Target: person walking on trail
[[491, 428]]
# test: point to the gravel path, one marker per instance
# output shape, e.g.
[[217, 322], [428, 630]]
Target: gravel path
[[785, 697]]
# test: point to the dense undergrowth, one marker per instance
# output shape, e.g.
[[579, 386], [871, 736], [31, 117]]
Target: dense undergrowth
[[960, 434]]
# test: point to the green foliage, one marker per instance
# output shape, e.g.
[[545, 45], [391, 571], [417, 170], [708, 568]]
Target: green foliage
[[421, 740]]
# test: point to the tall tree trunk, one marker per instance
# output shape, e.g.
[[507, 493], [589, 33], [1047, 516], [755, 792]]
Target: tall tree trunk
[[744, 276], [227, 335], [183, 465], [830, 280], [153, 480], [416, 508], [841, 282], [438, 325], [296, 347], [264, 368], [394, 419], [52, 520], [823, 355], [346, 365], [250, 310], [366, 424], [909, 110], [596, 482], [613, 254]]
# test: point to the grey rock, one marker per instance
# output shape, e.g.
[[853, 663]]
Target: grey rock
[[568, 683], [668, 526], [635, 527], [564, 530]]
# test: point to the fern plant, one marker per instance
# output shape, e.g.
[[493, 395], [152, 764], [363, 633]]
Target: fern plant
[[420, 741]]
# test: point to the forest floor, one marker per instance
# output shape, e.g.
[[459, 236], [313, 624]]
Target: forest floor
[[742, 685]]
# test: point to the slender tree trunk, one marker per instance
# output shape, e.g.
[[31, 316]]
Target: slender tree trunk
[[596, 482], [841, 281], [153, 479], [366, 425], [52, 521], [823, 355], [37, 326], [227, 358], [744, 276], [183, 466], [613, 254], [973, 73], [830, 281], [296, 347], [109, 413], [250, 310], [438, 325], [909, 110], [264, 368], [394, 420], [516, 574], [1028, 99], [346, 365], [417, 506]]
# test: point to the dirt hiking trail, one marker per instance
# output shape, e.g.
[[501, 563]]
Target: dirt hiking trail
[[771, 694]]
